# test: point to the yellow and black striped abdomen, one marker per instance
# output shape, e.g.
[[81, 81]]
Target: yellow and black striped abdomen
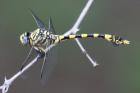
[[111, 38], [104, 36]]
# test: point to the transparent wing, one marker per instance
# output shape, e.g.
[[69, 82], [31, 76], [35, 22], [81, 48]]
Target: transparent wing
[[50, 59], [39, 23], [49, 65], [51, 26]]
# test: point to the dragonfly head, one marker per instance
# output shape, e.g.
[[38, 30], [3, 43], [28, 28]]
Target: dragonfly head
[[24, 38]]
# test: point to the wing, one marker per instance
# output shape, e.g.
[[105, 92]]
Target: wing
[[39, 23], [49, 61], [51, 26], [49, 65]]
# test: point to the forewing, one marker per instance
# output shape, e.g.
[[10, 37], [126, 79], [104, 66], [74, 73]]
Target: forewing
[[39, 23]]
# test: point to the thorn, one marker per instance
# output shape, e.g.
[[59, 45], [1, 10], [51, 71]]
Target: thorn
[[95, 65], [5, 78]]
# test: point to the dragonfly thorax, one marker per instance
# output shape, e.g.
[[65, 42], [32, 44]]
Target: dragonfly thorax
[[40, 37]]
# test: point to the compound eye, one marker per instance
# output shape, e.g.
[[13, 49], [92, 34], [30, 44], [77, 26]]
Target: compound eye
[[24, 39]]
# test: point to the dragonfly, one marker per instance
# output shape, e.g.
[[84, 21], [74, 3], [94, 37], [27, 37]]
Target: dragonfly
[[42, 37]]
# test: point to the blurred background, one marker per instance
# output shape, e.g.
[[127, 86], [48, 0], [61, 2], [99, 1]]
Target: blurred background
[[119, 69]]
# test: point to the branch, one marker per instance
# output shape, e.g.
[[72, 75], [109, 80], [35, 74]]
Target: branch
[[73, 30], [75, 27], [8, 82], [94, 63]]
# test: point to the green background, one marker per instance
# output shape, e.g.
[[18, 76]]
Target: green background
[[119, 69]]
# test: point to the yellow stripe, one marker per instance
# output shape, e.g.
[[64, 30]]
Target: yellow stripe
[[95, 35], [108, 37], [84, 35], [72, 36], [31, 42], [61, 37]]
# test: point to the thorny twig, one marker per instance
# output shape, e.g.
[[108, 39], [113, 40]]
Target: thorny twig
[[73, 30]]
